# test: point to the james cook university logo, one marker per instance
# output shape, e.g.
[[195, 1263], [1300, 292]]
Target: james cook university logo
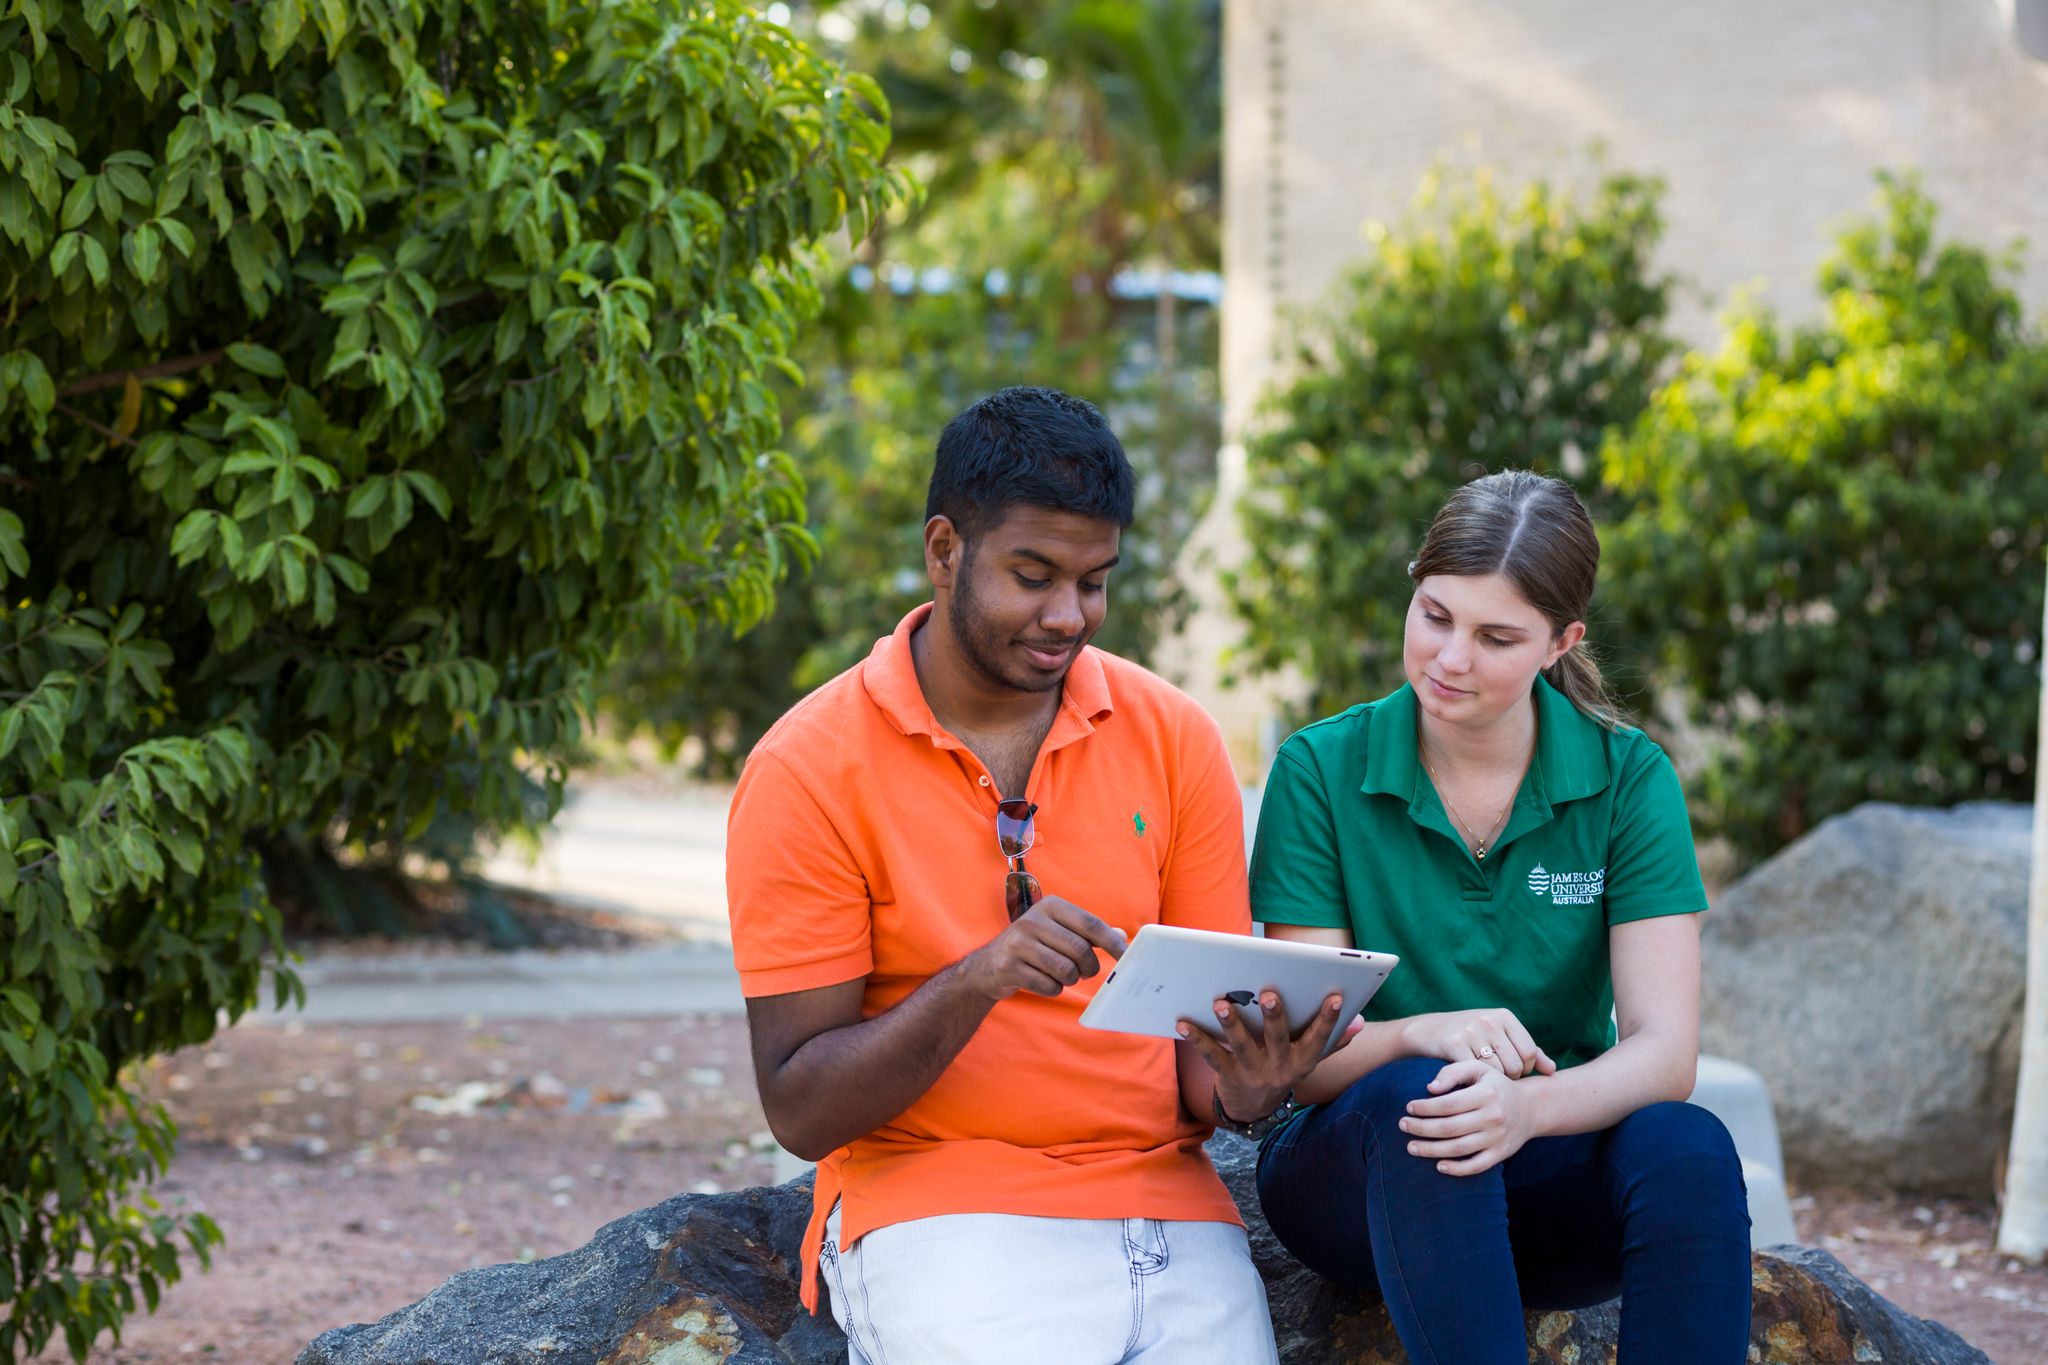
[[1567, 888]]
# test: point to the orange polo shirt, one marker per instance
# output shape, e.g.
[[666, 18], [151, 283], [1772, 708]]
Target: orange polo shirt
[[863, 845]]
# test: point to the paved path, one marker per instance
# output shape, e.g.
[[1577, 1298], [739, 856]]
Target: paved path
[[689, 978], [615, 847], [618, 847]]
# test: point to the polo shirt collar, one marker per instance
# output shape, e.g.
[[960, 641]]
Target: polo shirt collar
[[1571, 758], [890, 677], [1570, 748]]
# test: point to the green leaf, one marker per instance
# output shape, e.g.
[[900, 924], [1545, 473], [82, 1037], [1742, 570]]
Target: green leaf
[[64, 252], [256, 359], [294, 570], [353, 576], [249, 462], [188, 540], [18, 1052], [143, 253], [282, 20], [71, 874], [13, 551], [78, 203], [430, 489], [96, 260], [368, 497], [178, 235], [84, 639]]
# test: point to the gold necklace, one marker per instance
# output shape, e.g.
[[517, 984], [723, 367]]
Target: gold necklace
[[1479, 841]]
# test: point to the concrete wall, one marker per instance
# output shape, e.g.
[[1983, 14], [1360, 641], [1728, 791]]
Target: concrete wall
[[1766, 117]]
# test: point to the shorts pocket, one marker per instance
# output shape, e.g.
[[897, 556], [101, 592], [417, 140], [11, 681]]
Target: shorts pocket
[[846, 1287]]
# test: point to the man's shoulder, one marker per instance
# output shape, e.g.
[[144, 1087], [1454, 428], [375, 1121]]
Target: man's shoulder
[[819, 727], [1137, 691]]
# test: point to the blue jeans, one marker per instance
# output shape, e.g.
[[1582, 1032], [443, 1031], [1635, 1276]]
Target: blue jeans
[[1652, 1209]]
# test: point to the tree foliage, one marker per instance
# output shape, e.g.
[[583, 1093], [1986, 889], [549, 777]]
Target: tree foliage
[[1837, 558], [1063, 143], [367, 366], [1489, 332]]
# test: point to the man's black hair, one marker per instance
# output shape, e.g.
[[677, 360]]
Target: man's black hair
[[1028, 447]]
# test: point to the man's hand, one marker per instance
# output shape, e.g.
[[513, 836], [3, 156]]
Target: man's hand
[[1493, 1037], [1254, 1071], [1046, 949], [1475, 1119]]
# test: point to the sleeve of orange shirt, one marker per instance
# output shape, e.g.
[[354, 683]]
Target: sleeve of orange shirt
[[799, 905], [1205, 875]]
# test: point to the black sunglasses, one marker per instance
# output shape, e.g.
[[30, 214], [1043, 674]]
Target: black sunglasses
[[1015, 835]]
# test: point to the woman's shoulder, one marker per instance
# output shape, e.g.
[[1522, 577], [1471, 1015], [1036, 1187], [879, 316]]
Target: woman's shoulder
[[1340, 743], [1631, 752]]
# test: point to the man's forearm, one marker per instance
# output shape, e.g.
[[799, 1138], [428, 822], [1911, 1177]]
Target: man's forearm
[[849, 1081]]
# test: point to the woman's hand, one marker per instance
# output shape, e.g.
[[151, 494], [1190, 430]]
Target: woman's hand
[[1492, 1037], [1476, 1119], [1255, 1071]]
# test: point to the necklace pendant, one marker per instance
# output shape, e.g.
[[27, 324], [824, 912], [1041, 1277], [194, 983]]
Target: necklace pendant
[[1480, 853]]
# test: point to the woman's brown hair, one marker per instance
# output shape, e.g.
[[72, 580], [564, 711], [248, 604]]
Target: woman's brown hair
[[1533, 531]]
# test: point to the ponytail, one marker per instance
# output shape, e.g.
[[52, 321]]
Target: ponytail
[[1577, 676]]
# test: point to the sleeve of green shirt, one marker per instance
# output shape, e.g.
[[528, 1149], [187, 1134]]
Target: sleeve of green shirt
[[1296, 877], [1652, 869]]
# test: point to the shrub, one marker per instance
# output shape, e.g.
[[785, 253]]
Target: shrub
[[1838, 556], [1493, 333], [368, 365]]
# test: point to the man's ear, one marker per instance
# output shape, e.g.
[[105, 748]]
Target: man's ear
[[945, 552]]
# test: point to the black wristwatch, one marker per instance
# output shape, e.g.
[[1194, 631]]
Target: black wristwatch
[[1257, 1128]]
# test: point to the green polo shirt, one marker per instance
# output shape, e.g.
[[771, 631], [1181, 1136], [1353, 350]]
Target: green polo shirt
[[1352, 835]]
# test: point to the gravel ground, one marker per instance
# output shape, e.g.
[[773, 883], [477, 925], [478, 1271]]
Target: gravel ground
[[353, 1169], [344, 1196]]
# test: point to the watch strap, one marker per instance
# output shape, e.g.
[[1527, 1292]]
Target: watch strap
[[1254, 1128]]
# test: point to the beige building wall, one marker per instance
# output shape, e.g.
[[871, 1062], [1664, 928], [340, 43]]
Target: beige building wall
[[1767, 119]]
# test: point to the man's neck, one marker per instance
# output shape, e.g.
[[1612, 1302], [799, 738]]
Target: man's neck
[[1477, 751], [962, 698]]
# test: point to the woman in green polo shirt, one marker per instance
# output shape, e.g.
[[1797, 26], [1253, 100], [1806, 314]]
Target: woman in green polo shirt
[[1490, 1140]]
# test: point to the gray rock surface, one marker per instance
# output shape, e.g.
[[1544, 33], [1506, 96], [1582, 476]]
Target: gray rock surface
[[704, 1278], [1873, 972]]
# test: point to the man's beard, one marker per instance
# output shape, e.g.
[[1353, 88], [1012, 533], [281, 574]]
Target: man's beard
[[984, 647]]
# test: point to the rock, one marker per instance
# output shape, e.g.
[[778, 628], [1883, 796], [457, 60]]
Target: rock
[[1873, 972], [704, 1278]]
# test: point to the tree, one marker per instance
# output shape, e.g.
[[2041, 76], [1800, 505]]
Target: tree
[[1490, 332], [1062, 143], [366, 367], [1834, 557], [2023, 1220]]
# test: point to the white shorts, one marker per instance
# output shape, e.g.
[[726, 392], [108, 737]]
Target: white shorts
[[992, 1288]]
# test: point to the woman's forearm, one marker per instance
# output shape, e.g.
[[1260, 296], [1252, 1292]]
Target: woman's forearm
[[1643, 1069], [1371, 1048]]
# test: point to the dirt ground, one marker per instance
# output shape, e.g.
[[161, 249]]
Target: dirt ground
[[353, 1169]]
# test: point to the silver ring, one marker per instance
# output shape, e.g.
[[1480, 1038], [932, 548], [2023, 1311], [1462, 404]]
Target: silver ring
[[1485, 1051]]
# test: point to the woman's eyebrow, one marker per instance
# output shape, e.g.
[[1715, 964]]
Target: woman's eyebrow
[[1502, 628]]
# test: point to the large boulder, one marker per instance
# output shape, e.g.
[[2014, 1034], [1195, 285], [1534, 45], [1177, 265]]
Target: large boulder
[[706, 1278], [1873, 972]]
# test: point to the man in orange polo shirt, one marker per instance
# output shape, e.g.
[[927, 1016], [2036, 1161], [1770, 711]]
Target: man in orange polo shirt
[[996, 1183]]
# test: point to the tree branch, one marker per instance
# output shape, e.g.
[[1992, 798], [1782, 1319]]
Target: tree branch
[[162, 369], [101, 427]]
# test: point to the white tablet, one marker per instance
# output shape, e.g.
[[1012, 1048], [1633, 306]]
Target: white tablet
[[1169, 974]]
